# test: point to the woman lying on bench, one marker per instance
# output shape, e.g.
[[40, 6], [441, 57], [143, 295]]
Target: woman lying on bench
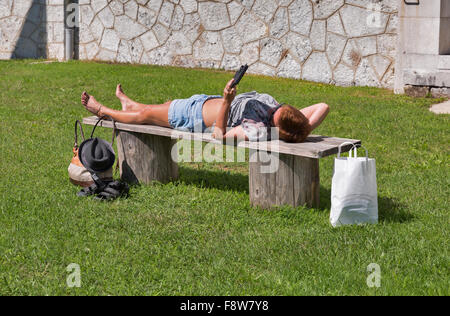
[[248, 116]]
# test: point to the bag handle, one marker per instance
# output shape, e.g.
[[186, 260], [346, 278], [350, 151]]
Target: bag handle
[[340, 148], [78, 124], [114, 128], [355, 151]]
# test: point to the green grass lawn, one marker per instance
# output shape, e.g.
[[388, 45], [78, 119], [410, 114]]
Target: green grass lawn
[[200, 236]]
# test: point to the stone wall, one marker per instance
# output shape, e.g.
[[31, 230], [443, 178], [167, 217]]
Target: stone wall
[[32, 29], [424, 43], [332, 41]]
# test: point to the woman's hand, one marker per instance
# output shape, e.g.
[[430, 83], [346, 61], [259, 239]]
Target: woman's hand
[[229, 93], [217, 133]]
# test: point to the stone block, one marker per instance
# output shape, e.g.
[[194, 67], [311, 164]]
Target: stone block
[[417, 91], [264, 9], [334, 24], [117, 7], [149, 40], [189, 6], [325, 8], [249, 53], [368, 45], [230, 62], [131, 9], [387, 45], [192, 26], [154, 5], [271, 51], [165, 14], [380, 64], [56, 51], [208, 47], [335, 47], [440, 92], [365, 75], [98, 5], [301, 16], [106, 55], [250, 28], [55, 14], [86, 14], [317, 68], [289, 68], [214, 16], [262, 69], [179, 44], [127, 28], [107, 17], [5, 8], [110, 40], [421, 77], [177, 19], [344, 75], [299, 46], [234, 10], [317, 36], [231, 40], [279, 26], [20, 8], [146, 17], [361, 22]]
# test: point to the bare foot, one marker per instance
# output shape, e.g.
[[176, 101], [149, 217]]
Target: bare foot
[[124, 99], [91, 104]]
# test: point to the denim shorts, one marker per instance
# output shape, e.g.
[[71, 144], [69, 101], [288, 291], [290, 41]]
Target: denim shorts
[[186, 114]]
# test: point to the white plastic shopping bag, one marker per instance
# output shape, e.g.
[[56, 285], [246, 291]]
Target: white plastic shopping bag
[[354, 190]]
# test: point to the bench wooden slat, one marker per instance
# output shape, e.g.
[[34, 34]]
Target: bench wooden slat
[[314, 147]]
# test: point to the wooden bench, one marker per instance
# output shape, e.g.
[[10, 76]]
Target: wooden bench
[[145, 155]]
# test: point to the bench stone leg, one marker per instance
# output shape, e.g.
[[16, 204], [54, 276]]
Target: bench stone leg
[[295, 182], [146, 158]]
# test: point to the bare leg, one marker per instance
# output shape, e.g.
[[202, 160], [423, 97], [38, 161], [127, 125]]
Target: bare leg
[[127, 103], [154, 115]]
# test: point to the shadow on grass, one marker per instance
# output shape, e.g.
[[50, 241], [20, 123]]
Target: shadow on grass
[[390, 210], [217, 179]]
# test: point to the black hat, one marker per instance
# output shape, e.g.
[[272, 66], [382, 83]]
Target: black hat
[[96, 155]]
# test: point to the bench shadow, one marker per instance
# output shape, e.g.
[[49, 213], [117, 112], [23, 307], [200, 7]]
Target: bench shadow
[[217, 179], [315, 139], [130, 176], [389, 210]]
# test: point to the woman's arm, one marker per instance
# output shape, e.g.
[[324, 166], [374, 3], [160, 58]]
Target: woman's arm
[[316, 114], [236, 133], [222, 117]]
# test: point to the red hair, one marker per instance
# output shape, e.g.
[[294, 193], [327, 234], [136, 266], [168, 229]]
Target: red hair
[[293, 126]]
